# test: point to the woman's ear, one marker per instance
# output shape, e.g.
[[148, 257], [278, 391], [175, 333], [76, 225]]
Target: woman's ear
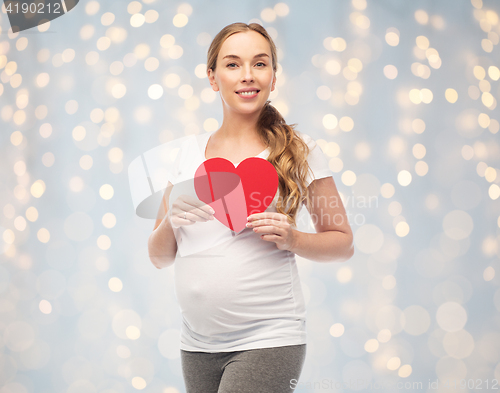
[[211, 79]]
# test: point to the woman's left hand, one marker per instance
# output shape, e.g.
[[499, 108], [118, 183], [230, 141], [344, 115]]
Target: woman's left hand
[[273, 227]]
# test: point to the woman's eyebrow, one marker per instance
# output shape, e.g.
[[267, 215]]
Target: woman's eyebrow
[[237, 57]]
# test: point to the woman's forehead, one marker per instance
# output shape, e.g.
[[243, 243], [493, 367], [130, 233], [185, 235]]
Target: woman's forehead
[[244, 45]]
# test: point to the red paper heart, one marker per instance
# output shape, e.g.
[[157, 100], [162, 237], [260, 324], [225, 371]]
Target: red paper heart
[[235, 193]]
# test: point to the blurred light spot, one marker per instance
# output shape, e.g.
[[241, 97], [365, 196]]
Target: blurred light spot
[[389, 282], [494, 192], [115, 284], [180, 20], [390, 71], [371, 345], [337, 330], [118, 90], [405, 371], [421, 17], [355, 64], [487, 45], [268, 15], [86, 162], [38, 188], [359, 4], [45, 307], [487, 99], [323, 93], [344, 274], [392, 36], [104, 242], [402, 229], [107, 18], [102, 264], [151, 16], [151, 64], [281, 9], [458, 344], [137, 20], [32, 213], [451, 95], [479, 72], [421, 168], [390, 317], [210, 124], [330, 121], [43, 235], [484, 86], [91, 58], [42, 79], [123, 351], [76, 184], [494, 73], [138, 383], [368, 238], [185, 91], [109, 220], [348, 178], [346, 123], [103, 43], [134, 7], [333, 67], [200, 71], [123, 320], [359, 20], [422, 42], [155, 92], [384, 335], [106, 191], [417, 320], [404, 178], [458, 225], [418, 126], [451, 316], [393, 363], [132, 332], [167, 41], [92, 7]]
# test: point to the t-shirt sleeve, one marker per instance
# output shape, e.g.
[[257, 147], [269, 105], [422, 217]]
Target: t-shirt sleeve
[[317, 160]]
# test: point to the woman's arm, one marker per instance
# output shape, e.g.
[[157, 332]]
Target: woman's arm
[[333, 241], [162, 244]]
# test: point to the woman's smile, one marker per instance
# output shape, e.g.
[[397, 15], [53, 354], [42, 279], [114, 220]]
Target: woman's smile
[[248, 94]]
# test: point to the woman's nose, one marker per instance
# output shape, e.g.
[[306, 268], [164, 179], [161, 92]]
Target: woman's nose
[[247, 73]]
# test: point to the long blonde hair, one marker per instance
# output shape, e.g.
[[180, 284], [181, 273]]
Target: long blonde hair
[[288, 151]]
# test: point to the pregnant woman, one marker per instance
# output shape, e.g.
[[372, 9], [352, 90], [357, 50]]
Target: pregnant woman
[[243, 311]]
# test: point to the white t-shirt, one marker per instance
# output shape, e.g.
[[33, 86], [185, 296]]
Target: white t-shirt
[[235, 291]]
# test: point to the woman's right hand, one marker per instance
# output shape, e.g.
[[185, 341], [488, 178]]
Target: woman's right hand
[[193, 209]]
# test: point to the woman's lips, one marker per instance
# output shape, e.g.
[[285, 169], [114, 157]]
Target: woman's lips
[[249, 95]]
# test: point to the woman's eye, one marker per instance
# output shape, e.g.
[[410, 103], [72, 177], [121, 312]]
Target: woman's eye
[[230, 64]]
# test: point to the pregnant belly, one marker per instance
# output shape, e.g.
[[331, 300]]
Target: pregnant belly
[[216, 299]]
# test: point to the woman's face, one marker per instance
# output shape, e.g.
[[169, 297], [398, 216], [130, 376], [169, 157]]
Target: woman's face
[[244, 62]]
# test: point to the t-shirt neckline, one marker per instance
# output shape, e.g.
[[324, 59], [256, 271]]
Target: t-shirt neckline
[[205, 143]]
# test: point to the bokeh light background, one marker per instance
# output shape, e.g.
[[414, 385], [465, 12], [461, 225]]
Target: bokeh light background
[[401, 95]]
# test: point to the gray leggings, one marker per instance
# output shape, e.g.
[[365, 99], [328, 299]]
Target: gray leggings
[[263, 370]]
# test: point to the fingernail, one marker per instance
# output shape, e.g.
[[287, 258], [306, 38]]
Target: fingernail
[[212, 211]]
